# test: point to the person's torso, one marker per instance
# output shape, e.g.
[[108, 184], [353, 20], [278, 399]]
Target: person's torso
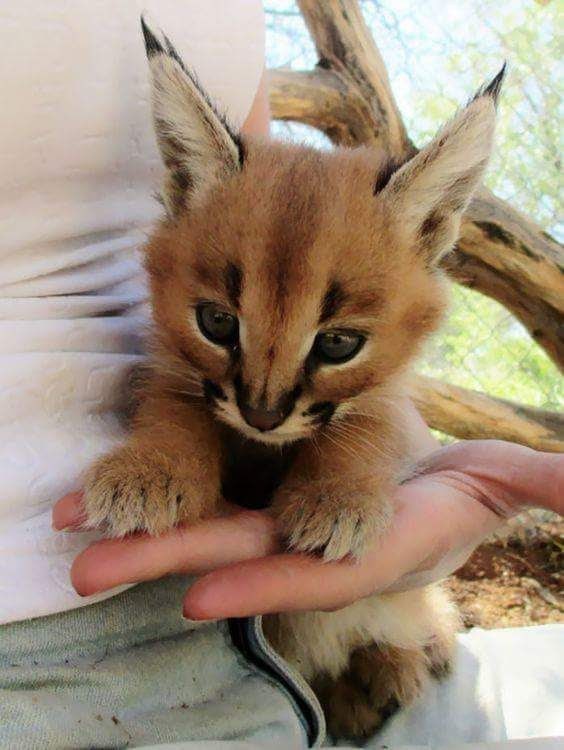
[[79, 168]]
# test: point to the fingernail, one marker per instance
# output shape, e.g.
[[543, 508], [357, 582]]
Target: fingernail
[[188, 616], [197, 623]]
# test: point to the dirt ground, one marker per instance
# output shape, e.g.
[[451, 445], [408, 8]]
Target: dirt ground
[[516, 580]]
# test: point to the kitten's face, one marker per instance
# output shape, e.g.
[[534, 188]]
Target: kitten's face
[[288, 284], [290, 291]]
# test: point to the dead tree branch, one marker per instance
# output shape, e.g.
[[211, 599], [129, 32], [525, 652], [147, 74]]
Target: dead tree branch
[[468, 414], [348, 96]]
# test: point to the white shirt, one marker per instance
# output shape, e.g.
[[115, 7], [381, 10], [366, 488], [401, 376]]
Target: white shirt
[[79, 167]]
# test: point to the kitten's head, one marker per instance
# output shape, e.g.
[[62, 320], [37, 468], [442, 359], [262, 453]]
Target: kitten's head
[[290, 283]]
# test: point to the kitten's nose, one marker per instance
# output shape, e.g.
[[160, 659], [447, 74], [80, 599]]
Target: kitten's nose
[[261, 418]]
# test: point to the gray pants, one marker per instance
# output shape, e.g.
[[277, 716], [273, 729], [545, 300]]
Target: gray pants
[[130, 671]]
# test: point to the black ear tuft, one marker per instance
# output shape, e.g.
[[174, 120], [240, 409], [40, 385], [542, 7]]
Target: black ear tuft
[[152, 44], [197, 145], [171, 51], [154, 47], [494, 87]]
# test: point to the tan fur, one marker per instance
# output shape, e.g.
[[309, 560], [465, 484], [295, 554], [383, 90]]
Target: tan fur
[[321, 642], [157, 480], [376, 681], [358, 683], [292, 242]]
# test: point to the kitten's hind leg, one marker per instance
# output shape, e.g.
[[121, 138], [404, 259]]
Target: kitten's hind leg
[[377, 682], [369, 659]]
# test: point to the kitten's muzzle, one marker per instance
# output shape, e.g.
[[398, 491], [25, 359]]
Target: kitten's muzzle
[[260, 418]]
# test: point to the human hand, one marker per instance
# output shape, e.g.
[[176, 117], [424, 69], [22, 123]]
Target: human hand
[[460, 494]]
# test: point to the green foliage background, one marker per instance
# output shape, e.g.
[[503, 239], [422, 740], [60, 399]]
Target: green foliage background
[[437, 54]]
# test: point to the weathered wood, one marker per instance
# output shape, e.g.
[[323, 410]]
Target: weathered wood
[[468, 414], [544, 323], [500, 253], [521, 266], [345, 45], [322, 99]]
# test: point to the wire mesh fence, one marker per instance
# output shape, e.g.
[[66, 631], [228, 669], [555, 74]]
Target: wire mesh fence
[[437, 53]]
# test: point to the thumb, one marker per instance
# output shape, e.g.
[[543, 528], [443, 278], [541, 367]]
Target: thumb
[[507, 476]]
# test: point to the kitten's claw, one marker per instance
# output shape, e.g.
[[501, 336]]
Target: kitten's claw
[[334, 525], [333, 537], [125, 493]]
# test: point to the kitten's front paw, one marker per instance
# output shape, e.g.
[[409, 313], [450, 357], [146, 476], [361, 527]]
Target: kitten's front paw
[[129, 491], [332, 517]]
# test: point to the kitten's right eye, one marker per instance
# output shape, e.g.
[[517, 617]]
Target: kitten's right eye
[[216, 324], [336, 347]]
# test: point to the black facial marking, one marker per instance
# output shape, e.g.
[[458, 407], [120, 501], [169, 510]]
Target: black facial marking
[[241, 390], [334, 298], [234, 355], [318, 407], [287, 401], [310, 366], [297, 392], [385, 174], [213, 392], [322, 411], [233, 283]]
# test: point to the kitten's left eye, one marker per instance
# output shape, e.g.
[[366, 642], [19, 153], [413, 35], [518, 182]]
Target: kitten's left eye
[[216, 324], [335, 347]]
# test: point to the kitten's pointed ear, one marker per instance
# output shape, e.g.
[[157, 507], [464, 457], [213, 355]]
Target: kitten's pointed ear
[[428, 194], [197, 145]]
